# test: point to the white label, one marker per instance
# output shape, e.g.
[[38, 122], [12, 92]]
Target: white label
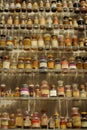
[[12, 5], [6, 65], [34, 44], [53, 93], [43, 64], [54, 44], [64, 66], [29, 6], [7, 6], [27, 121], [58, 66], [72, 66], [54, 5], [26, 93], [84, 124], [40, 43]]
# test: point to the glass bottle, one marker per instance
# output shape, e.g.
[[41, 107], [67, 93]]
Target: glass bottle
[[12, 6], [47, 6], [82, 91], [28, 63], [19, 119], [56, 120], [84, 120], [76, 118], [81, 24], [9, 42], [12, 121], [76, 6], [65, 6], [64, 64], [35, 7], [59, 6], [75, 24], [49, 23], [41, 6], [72, 64], [69, 123], [53, 91], [17, 92], [35, 63], [27, 43], [6, 6], [24, 5], [31, 90], [62, 123], [53, 6], [68, 91], [2, 41], [2, 90], [79, 62], [60, 89], [54, 42], [85, 63], [44, 121], [20, 64], [29, 23], [26, 120], [51, 123], [9, 20], [40, 42], [83, 6], [16, 20], [47, 40], [70, 5], [34, 44], [29, 6], [37, 90], [18, 5], [50, 62], [13, 64], [42, 20], [43, 62], [75, 42], [68, 42], [5, 120], [44, 89], [58, 65]]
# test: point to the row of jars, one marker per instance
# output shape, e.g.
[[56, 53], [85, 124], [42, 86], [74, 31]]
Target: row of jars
[[44, 42], [34, 120], [47, 5], [44, 89], [44, 62], [45, 21]]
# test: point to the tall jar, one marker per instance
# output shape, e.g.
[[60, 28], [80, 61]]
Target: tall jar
[[20, 63], [19, 119], [75, 90], [26, 120], [27, 43], [50, 62], [40, 42], [76, 118], [6, 62], [60, 89], [12, 121], [35, 121], [5, 120], [44, 121]]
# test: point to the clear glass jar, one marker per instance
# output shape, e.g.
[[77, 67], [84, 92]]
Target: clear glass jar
[[24, 92]]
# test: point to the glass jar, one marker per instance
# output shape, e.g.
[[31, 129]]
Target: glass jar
[[35, 121], [29, 6], [35, 63], [83, 6], [31, 90], [47, 40], [16, 20], [12, 121], [53, 91], [13, 64], [68, 91], [1, 62], [9, 20], [69, 123], [24, 92], [19, 119], [44, 89], [2, 41], [64, 64], [5, 120], [2, 90], [55, 21], [84, 120], [44, 121], [75, 42], [76, 118], [59, 6], [6, 62], [40, 42], [9, 42], [12, 6], [42, 21], [51, 123], [29, 23], [50, 62], [37, 90], [54, 42], [75, 24], [18, 6], [82, 91], [6, 6], [61, 41], [53, 6], [60, 89], [56, 120], [20, 63], [79, 62], [43, 62], [81, 24], [68, 42], [70, 5], [62, 123], [65, 6], [49, 23], [72, 64], [75, 90], [28, 63], [26, 120], [57, 65], [85, 44], [17, 92]]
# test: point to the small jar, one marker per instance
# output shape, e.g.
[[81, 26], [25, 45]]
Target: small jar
[[59, 6], [24, 6], [27, 43], [29, 6], [35, 121], [82, 91], [40, 42], [2, 90], [24, 92], [41, 6], [26, 120], [35, 63], [53, 6], [76, 118], [68, 91], [47, 40], [44, 89], [72, 64], [62, 123], [20, 63], [75, 90], [37, 90], [5, 120], [54, 42], [57, 65], [28, 63], [6, 62], [43, 62], [12, 121], [34, 44], [19, 119], [53, 91], [60, 89], [44, 121], [50, 62], [31, 90], [64, 64], [35, 7], [84, 120], [79, 62], [47, 6], [10, 20]]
